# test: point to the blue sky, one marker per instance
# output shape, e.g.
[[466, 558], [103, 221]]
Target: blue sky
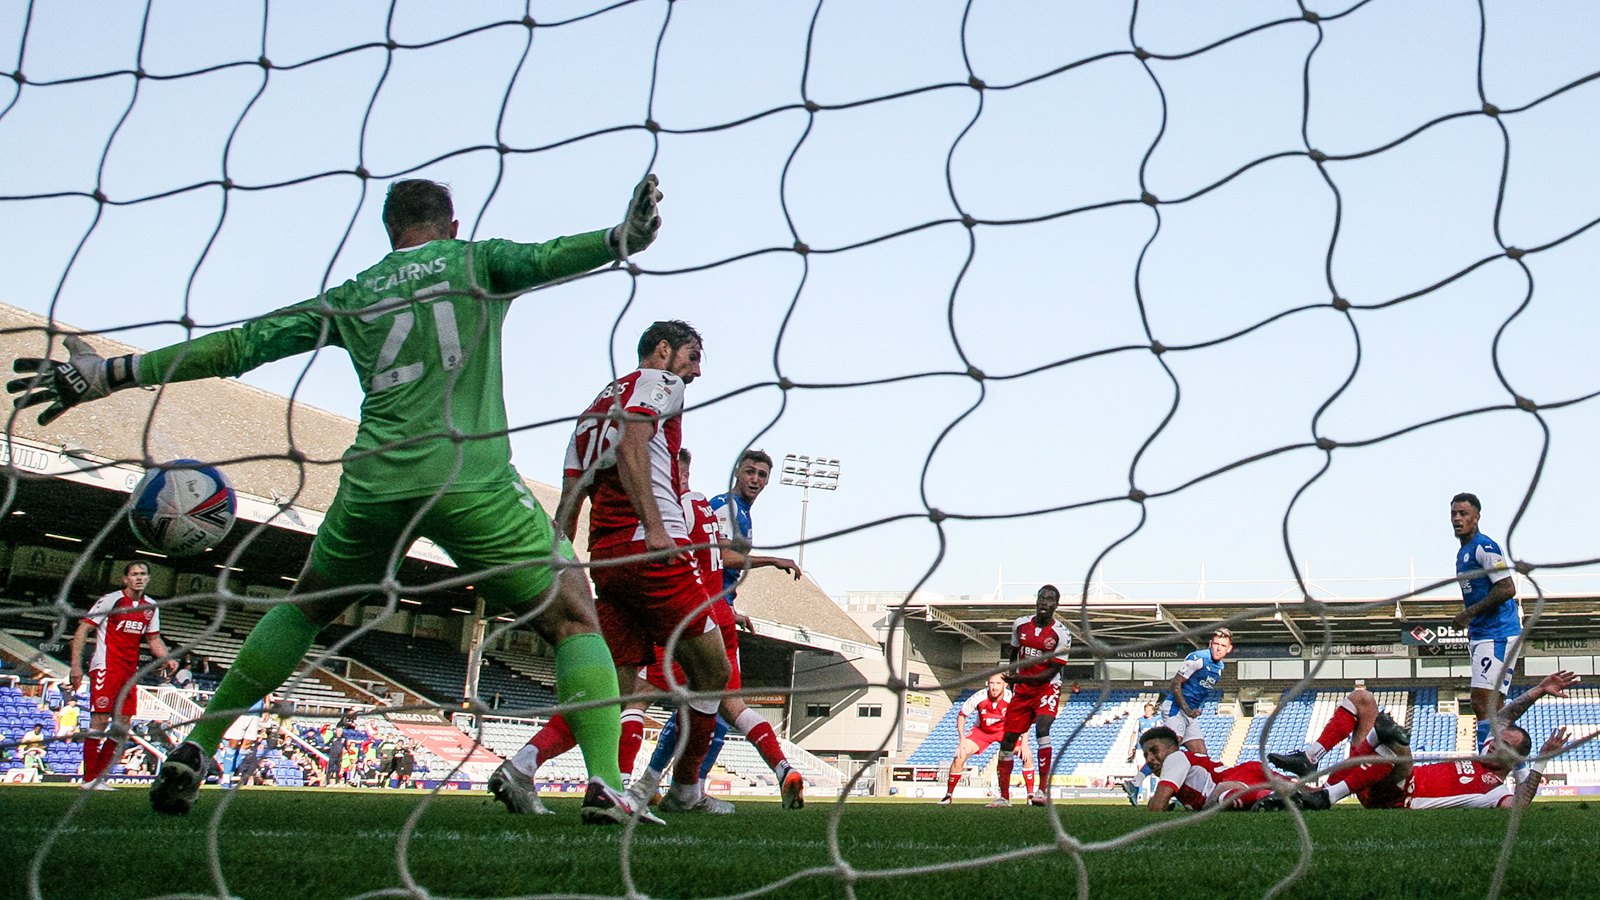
[[1033, 293]]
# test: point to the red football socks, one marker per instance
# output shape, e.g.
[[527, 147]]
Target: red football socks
[[554, 739], [701, 725], [1338, 728]]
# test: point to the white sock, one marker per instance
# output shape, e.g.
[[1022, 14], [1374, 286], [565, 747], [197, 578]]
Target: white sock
[[1313, 751], [1337, 791], [527, 760], [747, 720], [687, 794]]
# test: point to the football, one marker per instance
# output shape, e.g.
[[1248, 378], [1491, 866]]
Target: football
[[182, 511]]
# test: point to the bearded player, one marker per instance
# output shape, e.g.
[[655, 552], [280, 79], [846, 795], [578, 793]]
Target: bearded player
[[121, 621], [1035, 689], [1194, 780], [709, 537], [623, 457], [1192, 687], [988, 710], [1468, 782], [423, 330], [1376, 784]]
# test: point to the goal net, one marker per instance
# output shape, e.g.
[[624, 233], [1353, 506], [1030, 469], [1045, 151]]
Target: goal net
[[1068, 288]]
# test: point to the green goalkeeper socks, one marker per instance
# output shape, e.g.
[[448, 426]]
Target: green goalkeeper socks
[[584, 671], [269, 656]]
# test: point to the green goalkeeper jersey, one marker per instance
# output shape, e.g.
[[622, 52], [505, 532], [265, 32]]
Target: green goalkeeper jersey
[[428, 357]]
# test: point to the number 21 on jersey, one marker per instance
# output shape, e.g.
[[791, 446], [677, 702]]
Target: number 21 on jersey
[[444, 325]]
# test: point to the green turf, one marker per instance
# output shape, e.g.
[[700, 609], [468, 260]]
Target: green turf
[[292, 843]]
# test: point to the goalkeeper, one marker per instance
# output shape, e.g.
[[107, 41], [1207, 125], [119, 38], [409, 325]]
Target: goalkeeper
[[431, 456]]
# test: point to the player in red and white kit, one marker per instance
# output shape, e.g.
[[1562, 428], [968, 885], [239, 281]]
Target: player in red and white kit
[[708, 536], [1035, 689], [987, 710], [1378, 784], [1467, 782], [1195, 780], [121, 621], [624, 458]]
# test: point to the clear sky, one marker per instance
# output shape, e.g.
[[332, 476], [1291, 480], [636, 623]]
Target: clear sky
[[1050, 162]]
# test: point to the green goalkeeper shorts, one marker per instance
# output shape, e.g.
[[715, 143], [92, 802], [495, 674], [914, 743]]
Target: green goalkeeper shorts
[[481, 530]]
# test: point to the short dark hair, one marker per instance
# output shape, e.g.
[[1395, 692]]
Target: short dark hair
[[1465, 497], [417, 202], [675, 332], [128, 566], [1051, 588], [1159, 733], [683, 455], [754, 455], [1523, 738]]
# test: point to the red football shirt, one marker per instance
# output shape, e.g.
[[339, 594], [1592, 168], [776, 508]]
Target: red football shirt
[[1032, 641], [612, 519], [120, 626]]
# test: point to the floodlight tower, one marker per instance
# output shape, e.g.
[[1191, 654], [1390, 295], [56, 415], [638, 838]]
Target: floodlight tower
[[807, 472]]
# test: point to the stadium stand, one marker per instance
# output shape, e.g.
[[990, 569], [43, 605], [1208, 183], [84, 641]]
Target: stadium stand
[[185, 626], [437, 670]]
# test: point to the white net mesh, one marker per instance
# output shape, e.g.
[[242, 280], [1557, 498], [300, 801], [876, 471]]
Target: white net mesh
[[1040, 271]]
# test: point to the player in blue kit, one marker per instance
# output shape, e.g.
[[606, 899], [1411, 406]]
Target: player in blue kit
[[1492, 617], [1193, 686], [733, 512]]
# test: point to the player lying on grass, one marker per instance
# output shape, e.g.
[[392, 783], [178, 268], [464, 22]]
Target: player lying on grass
[[431, 456], [1377, 785], [988, 709], [1194, 780], [1386, 785], [1194, 685], [1035, 689]]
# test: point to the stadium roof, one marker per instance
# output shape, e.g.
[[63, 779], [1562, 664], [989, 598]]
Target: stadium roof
[[102, 446], [1371, 620]]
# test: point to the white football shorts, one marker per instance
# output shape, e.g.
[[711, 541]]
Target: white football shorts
[[1493, 663]]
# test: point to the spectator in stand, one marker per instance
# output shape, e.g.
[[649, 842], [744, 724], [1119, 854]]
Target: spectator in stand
[[136, 761], [33, 755], [67, 718], [183, 680], [310, 771], [335, 743]]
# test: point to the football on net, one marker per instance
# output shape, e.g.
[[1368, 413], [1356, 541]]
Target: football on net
[[182, 511]]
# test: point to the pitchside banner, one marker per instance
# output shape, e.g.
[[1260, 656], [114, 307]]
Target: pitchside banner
[[1441, 634]]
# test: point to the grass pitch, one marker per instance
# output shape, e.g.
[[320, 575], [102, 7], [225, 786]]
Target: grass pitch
[[291, 843]]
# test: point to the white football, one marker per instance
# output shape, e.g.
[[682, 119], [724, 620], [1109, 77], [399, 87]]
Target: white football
[[182, 511]]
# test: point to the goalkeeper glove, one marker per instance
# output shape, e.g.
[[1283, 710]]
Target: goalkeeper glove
[[641, 223], [82, 377]]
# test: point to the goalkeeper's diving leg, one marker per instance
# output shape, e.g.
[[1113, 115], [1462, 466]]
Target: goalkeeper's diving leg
[[279, 642]]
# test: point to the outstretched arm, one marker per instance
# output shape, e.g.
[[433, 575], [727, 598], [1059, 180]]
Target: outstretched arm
[[733, 559], [1529, 788], [1553, 685], [86, 376]]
